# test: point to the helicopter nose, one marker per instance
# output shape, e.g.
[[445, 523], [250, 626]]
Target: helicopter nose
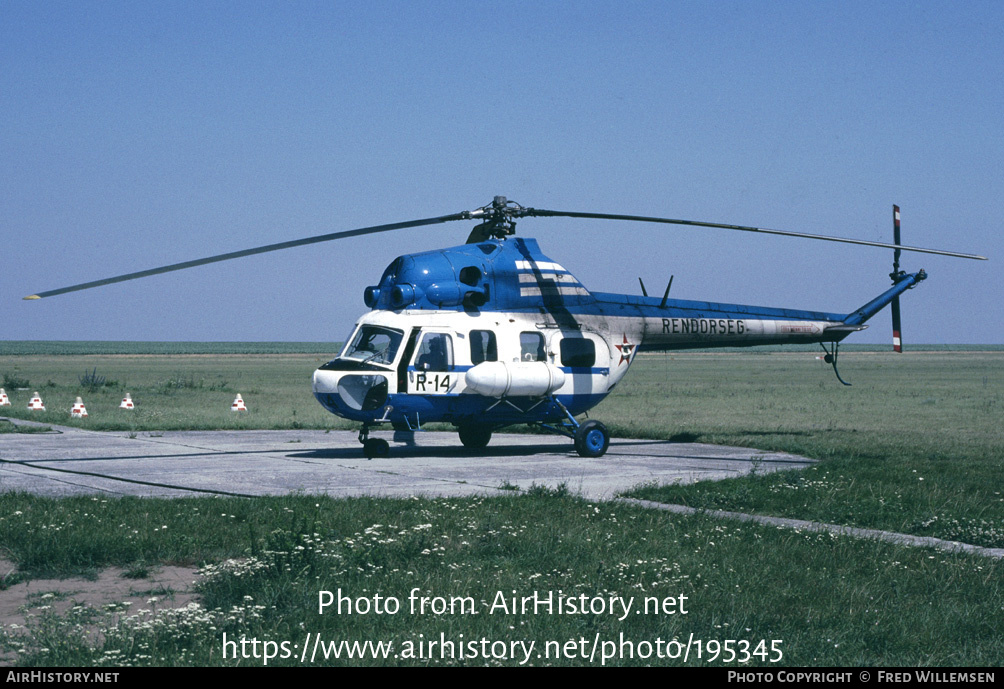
[[358, 392], [326, 382]]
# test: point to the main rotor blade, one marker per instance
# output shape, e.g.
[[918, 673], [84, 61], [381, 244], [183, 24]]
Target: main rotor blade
[[535, 212], [251, 252]]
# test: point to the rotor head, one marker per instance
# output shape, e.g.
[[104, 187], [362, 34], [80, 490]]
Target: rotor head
[[499, 220]]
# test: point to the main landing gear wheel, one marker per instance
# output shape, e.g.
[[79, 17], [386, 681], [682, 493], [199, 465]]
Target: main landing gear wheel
[[592, 439], [475, 437], [376, 447]]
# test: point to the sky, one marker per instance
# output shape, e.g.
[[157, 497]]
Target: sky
[[137, 134]]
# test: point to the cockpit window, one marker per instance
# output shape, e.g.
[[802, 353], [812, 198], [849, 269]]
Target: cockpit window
[[373, 344]]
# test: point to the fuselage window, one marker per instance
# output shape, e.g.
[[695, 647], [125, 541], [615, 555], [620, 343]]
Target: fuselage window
[[577, 352], [435, 353], [483, 346], [532, 347]]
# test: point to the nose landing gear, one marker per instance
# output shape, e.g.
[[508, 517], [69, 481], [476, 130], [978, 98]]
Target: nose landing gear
[[373, 447]]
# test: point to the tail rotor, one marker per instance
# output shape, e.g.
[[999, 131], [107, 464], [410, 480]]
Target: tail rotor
[[896, 274]]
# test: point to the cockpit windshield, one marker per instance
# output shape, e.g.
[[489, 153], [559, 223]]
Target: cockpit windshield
[[373, 344]]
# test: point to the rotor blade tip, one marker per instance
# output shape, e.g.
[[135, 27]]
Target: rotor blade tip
[[32, 296]]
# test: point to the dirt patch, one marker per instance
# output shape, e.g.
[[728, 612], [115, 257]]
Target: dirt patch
[[164, 587]]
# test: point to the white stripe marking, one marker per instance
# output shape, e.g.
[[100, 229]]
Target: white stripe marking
[[556, 277], [535, 291], [538, 265]]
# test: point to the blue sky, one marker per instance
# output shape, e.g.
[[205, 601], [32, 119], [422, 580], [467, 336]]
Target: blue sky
[[139, 134]]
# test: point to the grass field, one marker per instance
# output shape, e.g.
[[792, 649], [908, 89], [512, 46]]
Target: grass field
[[915, 446], [172, 392]]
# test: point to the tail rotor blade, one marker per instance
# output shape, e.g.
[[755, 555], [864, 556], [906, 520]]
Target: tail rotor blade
[[897, 340], [897, 337], [895, 238]]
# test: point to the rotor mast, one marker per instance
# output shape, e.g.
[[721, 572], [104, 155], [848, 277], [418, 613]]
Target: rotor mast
[[498, 223]]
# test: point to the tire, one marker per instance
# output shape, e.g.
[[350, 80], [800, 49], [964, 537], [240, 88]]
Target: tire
[[475, 437], [376, 447], [592, 439]]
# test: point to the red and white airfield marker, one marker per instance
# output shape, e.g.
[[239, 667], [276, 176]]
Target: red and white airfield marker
[[79, 411], [238, 404], [4, 400], [36, 403], [127, 402]]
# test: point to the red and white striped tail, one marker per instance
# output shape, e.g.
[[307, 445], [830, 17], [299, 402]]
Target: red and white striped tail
[[897, 327]]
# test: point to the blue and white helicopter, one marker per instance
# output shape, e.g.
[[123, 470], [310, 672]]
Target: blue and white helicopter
[[494, 333]]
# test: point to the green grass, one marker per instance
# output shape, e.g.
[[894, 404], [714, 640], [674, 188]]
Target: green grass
[[173, 392], [830, 600], [6, 426], [915, 446]]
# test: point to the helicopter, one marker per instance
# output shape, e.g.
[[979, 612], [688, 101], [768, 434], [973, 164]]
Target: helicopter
[[494, 333]]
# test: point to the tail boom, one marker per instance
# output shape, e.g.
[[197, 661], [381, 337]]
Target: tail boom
[[678, 324], [903, 283]]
